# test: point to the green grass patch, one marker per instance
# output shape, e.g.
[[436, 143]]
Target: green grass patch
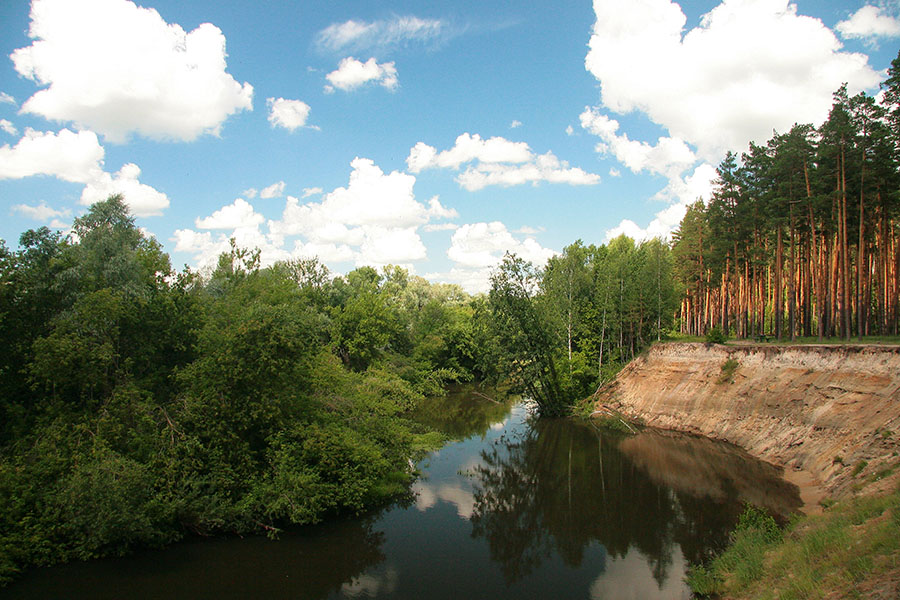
[[829, 555], [728, 369]]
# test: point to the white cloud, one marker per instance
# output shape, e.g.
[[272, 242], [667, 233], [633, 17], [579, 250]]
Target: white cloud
[[545, 167], [206, 248], [468, 148], [570, 130], [515, 124], [370, 198], [680, 192], [357, 36], [233, 216], [313, 191], [70, 156], [432, 227], [498, 161], [476, 248], [142, 199], [41, 212], [250, 193], [750, 66], [118, 69], [326, 252], [351, 74], [614, 172], [289, 114], [869, 22], [78, 158], [437, 211], [8, 127], [669, 157], [483, 245], [276, 190], [374, 220], [7, 99]]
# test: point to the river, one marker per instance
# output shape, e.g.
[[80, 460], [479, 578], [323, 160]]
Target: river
[[516, 508]]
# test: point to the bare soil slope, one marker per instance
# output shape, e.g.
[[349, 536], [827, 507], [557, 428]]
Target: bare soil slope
[[818, 411]]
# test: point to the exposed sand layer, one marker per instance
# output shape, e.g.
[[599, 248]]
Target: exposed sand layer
[[817, 411]]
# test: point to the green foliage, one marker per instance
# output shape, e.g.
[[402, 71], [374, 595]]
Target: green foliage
[[716, 336], [728, 369], [142, 405], [755, 533], [139, 405]]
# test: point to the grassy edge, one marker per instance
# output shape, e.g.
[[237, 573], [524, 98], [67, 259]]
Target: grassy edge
[[846, 552]]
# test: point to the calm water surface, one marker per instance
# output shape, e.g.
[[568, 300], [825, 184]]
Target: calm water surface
[[516, 509]]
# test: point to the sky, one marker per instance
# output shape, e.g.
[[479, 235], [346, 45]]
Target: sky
[[432, 135]]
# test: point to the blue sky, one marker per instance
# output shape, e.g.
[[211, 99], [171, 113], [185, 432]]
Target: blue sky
[[433, 135]]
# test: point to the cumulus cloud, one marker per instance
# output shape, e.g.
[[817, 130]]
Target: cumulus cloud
[[438, 211], [748, 67], [7, 99], [78, 158], [8, 127], [545, 167], [313, 191], [383, 35], [289, 114], [468, 148], [515, 124], [669, 157], [498, 161], [352, 74], [680, 192], [41, 212], [432, 227], [869, 22], [116, 68], [237, 214], [477, 248], [276, 190], [374, 220], [70, 156], [142, 200]]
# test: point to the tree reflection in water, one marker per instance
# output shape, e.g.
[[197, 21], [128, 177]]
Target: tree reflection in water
[[310, 562], [563, 486]]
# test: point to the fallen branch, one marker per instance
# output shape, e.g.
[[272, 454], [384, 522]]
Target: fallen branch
[[616, 415]]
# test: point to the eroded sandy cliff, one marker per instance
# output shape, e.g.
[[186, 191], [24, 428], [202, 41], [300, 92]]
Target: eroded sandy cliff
[[816, 410]]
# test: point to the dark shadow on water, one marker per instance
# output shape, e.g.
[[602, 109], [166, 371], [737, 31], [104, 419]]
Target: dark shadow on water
[[559, 487], [309, 563]]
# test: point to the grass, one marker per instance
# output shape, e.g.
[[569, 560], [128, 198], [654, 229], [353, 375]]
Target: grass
[[846, 552], [728, 369], [854, 341], [891, 340]]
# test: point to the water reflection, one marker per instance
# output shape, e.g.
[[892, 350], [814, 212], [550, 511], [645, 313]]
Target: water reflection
[[705, 468], [428, 495], [464, 412], [516, 508], [314, 562], [561, 488]]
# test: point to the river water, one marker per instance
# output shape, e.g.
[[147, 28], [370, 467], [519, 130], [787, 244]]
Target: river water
[[517, 508]]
